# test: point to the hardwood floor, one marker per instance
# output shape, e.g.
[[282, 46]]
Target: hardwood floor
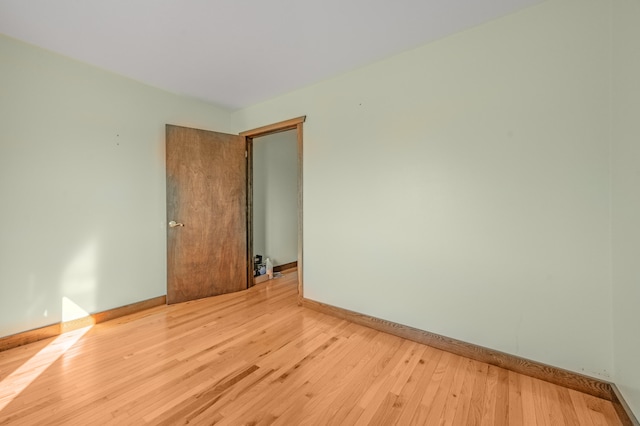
[[257, 358]]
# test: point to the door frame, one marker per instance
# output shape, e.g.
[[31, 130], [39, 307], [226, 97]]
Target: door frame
[[249, 135]]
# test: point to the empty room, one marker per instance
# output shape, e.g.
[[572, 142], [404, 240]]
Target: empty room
[[461, 245]]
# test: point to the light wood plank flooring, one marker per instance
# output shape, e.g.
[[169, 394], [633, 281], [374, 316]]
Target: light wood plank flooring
[[257, 358]]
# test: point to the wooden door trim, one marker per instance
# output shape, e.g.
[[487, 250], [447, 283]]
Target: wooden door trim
[[300, 286], [249, 150], [270, 129]]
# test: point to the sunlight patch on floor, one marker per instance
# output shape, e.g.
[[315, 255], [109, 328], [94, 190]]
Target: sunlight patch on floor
[[21, 378]]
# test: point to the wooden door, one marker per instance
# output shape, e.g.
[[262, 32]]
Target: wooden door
[[206, 198]]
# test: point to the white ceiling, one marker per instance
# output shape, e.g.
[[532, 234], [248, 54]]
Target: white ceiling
[[235, 53]]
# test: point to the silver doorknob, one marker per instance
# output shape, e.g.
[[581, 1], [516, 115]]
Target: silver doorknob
[[173, 224]]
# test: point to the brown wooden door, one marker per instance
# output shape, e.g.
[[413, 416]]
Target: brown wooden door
[[206, 192]]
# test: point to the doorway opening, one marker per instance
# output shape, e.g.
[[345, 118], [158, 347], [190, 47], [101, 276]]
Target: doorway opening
[[275, 209], [263, 144]]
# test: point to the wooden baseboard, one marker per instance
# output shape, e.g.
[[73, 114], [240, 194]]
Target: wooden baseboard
[[286, 266], [622, 408], [589, 385], [53, 330]]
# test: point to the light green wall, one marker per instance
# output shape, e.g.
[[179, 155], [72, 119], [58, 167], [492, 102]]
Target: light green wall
[[275, 197], [626, 198], [463, 187], [82, 180]]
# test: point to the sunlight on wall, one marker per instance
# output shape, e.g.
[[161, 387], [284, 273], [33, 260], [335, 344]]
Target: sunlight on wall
[[71, 311], [79, 283], [18, 381]]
